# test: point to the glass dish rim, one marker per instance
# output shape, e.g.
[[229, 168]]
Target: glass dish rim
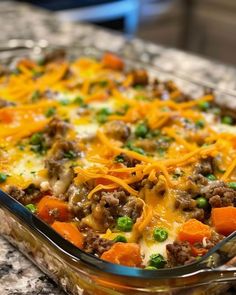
[[42, 228]]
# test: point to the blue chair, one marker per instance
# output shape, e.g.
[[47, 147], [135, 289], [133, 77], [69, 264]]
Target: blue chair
[[95, 11]]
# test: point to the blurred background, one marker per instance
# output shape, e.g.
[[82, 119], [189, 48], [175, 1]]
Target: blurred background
[[205, 27]]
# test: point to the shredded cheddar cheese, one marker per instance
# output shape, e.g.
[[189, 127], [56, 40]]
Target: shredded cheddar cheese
[[132, 159]]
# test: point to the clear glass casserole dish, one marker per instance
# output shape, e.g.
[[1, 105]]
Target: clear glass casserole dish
[[81, 273]]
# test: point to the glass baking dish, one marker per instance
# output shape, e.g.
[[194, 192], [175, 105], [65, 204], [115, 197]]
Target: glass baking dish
[[80, 273]]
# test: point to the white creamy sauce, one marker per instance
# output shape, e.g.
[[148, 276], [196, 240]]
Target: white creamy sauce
[[221, 128], [27, 166], [87, 131], [148, 249]]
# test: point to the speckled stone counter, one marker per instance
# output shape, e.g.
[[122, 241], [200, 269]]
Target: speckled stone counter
[[18, 275]]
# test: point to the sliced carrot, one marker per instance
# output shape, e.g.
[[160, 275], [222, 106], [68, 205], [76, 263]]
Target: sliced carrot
[[6, 116], [194, 231], [112, 61], [124, 253], [51, 209], [70, 232], [224, 219]]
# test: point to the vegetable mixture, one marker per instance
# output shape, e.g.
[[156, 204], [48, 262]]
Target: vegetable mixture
[[121, 164]]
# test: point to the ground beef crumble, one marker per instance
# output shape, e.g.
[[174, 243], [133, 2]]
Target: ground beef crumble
[[108, 206], [117, 130], [202, 169], [180, 253], [219, 194], [56, 128], [94, 244], [127, 161], [25, 196]]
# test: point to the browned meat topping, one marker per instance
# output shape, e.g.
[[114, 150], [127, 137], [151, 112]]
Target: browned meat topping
[[205, 166], [5, 103], [117, 130], [93, 244], [56, 128], [64, 149], [108, 206], [149, 145], [126, 160], [55, 55], [15, 192], [77, 198], [139, 77], [26, 196], [170, 86], [53, 167], [179, 253], [202, 169], [219, 194], [197, 213], [133, 208], [184, 201]]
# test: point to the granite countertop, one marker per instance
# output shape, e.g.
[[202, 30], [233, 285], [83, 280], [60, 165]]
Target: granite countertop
[[18, 275]]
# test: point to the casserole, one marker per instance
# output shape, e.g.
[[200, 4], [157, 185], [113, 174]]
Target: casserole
[[35, 121]]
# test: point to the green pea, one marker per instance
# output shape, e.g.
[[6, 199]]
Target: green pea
[[150, 268], [124, 223], [138, 150], [232, 185], [41, 61], [216, 111], [79, 100], [202, 202], [3, 177], [141, 130], [70, 155], [50, 112], [138, 87], [16, 71], [133, 148], [103, 83], [157, 260], [227, 120], [160, 234], [64, 102], [36, 138], [161, 151], [36, 74], [120, 239], [204, 105], [38, 149], [35, 95], [211, 177], [200, 124], [119, 158], [31, 207], [103, 114]]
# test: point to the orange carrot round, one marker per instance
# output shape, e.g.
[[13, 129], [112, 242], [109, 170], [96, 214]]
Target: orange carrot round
[[127, 254], [112, 61], [194, 231], [6, 116], [69, 232], [50, 209], [224, 219]]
